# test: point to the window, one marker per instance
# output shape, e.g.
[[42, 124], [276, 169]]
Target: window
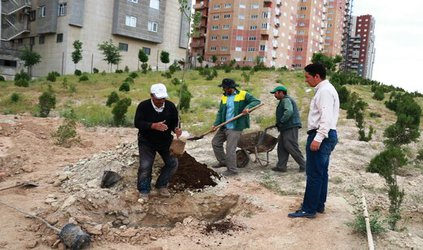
[[238, 49], [253, 27], [42, 11], [262, 47], [216, 17], [147, 51], [240, 27], [154, 4], [251, 49], [223, 59], [228, 5], [133, 1], [266, 14], [123, 46], [227, 16], [215, 27], [41, 39], [239, 38], [216, 6], [213, 48], [131, 21], [225, 27], [264, 26], [61, 11], [59, 38], [225, 37], [241, 17], [32, 15], [213, 38], [254, 17], [31, 40], [153, 26], [252, 38], [255, 6], [242, 6], [303, 8], [224, 48]]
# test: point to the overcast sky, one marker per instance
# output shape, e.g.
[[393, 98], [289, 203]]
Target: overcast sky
[[399, 41]]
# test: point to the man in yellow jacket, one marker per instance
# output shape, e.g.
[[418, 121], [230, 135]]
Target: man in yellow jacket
[[232, 103]]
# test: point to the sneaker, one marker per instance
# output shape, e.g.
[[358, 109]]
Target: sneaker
[[229, 173], [164, 192], [301, 214], [143, 197], [276, 169], [220, 165]]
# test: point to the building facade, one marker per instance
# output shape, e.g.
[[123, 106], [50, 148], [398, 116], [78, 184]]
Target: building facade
[[361, 46], [276, 32], [49, 27]]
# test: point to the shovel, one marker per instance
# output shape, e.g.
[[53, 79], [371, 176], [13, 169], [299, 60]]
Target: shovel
[[223, 124]]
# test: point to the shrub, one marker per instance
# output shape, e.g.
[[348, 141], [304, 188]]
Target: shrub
[[95, 70], [83, 78], [129, 80], [22, 75], [119, 71], [119, 111], [133, 75], [379, 94], [22, 82], [78, 72], [66, 133], [124, 87], [420, 155], [2, 79], [46, 102], [15, 97], [176, 81], [113, 98], [167, 74], [126, 69], [359, 223], [51, 77], [72, 88], [185, 98]]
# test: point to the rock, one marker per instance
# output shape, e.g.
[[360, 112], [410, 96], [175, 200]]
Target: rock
[[68, 202], [31, 244], [94, 230], [130, 232]]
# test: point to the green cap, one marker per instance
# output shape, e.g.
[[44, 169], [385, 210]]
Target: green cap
[[278, 88]]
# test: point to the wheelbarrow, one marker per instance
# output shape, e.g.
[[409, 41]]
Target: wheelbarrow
[[257, 143]]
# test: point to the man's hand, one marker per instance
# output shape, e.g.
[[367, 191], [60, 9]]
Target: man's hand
[[315, 145], [160, 126], [245, 111], [178, 132], [213, 128]]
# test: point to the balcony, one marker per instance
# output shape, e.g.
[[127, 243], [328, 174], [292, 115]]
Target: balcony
[[267, 1], [12, 6], [275, 44], [278, 2], [277, 12], [199, 6], [275, 33], [12, 29]]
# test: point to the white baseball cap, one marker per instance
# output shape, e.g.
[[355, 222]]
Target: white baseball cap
[[159, 91]]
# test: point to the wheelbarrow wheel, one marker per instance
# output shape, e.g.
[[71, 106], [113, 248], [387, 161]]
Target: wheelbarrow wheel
[[242, 158]]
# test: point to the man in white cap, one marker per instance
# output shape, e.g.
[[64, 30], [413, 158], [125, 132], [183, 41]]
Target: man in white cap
[[156, 118]]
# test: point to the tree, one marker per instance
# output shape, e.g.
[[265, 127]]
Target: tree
[[77, 53], [164, 57], [214, 58], [30, 58], [111, 53], [143, 57]]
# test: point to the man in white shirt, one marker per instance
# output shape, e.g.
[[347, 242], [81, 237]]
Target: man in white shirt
[[322, 138]]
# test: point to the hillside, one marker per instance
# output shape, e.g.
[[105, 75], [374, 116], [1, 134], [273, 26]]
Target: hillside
[[254, 205]]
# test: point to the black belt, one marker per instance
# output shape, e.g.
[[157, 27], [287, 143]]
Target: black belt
[[311, 131]]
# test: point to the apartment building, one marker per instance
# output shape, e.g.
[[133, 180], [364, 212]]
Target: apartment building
[[276, 32], [336, 14], [361, 50], [49, 27]]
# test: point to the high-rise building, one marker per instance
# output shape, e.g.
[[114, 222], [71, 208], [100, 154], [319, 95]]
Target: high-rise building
[[361, 49], [335, 12], [49, 27], [275, 32]]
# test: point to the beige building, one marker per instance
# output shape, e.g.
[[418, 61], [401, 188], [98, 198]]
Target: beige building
[[277, 32], [49, 27]]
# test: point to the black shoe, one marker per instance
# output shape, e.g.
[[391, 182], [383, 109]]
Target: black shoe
[[229, 173], [301, 170], [301, 214], [321, 210], [276, 169], [220, 165]]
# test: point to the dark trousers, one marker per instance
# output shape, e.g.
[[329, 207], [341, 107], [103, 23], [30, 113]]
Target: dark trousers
[[288, 145], [317, 164], [147, 154]]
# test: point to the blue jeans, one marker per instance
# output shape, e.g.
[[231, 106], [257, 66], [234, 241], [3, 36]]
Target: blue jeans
[[147, 153], [317, 164]]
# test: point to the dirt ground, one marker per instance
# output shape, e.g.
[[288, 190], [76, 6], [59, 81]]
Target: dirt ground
[[248, 211]]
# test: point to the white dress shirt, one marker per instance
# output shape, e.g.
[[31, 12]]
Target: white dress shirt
[[324, 110]]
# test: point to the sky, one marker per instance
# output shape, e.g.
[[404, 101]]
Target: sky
[[398, 42]]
